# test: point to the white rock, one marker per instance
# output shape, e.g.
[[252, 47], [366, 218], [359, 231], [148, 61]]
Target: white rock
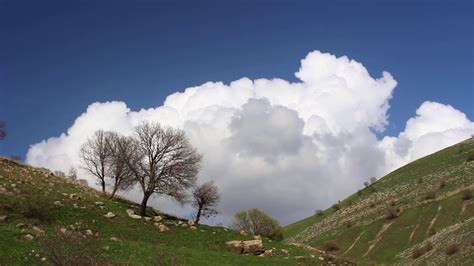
[[157, 218], [109, 215], [190, 222], [28, 237], [192, 227], [89, 232]]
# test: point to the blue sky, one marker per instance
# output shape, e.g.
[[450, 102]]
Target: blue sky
[[57, 57]]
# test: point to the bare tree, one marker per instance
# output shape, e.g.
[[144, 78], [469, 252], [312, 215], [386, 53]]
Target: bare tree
[[3, 130], [163, 162], [205, 198], [72, 173], [121, 148], [96, 156]]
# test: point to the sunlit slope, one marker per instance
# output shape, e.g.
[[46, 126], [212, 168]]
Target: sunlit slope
[[420, 212]]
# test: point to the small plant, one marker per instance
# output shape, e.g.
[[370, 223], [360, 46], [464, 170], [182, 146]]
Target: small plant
[[372, 204], [467, 194], [359, 192], [442, 184], [418, 252], [432, 231], [336, 206], [470, 157], [330, 246], [430, 196], [452, 249], [318, 212], [392, 213], [419, 180], [349, 224]]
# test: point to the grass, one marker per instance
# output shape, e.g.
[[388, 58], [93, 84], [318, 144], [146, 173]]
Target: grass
[[418, 190], [31, 201]]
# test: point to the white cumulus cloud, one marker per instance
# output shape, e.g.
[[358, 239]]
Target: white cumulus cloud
[[286, 148]]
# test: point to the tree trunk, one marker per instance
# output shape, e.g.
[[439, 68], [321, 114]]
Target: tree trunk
[[198, 215], [113, 192], [143, 205], [102, 181]]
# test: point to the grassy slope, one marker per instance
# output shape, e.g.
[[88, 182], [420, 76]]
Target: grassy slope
[[407, 188], [27, 195]]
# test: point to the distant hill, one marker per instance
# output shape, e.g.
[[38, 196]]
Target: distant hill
[[421, 213], [46, 219]]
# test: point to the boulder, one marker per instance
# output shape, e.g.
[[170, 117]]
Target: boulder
[[28, 237], [192, 227], [190, 222], [147, 219], [99, 203], [63, 231], [253, 247], [132, 214], [114, 238], [163, 228], [58, 203], [3, 218], [89, 232], [109, 215], [257, 237], [267, 253], [74, 196], [157, 218], [20, 225], [243, 233]]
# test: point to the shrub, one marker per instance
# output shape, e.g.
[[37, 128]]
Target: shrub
[[392, 213], [470, 157], [472, 241], [257, 222], [330, 246], [418, 252], [336, 206], [467, 194], [419, 180], [452, 249], [349, 224], [442, 184], [359, 192], [430, 195], [35, 208], [318, 212]]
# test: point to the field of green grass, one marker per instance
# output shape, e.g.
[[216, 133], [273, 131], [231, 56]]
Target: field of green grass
[[433, 215], [72, 230]]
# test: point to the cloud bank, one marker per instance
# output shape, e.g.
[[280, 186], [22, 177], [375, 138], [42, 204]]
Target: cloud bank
[[286, 148]]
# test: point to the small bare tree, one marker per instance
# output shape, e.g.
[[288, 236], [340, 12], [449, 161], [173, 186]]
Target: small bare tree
[[373, 180], [121, 148], [205, 199], [72, 173], [96, 156], [163, 162], [3, 130]]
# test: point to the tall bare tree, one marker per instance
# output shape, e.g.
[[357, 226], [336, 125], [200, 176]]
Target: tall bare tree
[[3, 130], [96, 156], [121, 149], [205, 199], [163, 162]]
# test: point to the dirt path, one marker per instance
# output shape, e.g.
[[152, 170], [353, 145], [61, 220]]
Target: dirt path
[[464, 206], [353, 243], [413, 233], [433, 221], [378, 237]]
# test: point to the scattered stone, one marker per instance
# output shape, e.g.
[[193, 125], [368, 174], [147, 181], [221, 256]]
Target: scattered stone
[[192, 227], [43, 259], [3, 218], [58, 203], [180, 222], [89, 232], [190, 222], [257, 237], [157, 218], [114, 238], [106, 248], [20, 225], [286, 252], [243, 233], [147, 219], [132, 215], [74, 196], [253, 247], [267, 253], [99, 203], [109, 215], [63, 231], [163, 228], [28, 237], [13, 185], [39, 230], [299, 257], [184, 225], [321, 258], [202, 231]]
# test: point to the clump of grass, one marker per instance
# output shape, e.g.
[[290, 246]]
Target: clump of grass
[[470, 157], [392, 213], [467, 194], [330, 246], [318, 212], [442, 184], [36, 208], [418, 252], [452, 249], [430, 196]]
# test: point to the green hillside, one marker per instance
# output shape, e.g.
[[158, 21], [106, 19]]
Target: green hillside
[[422, 212], [46, 219]]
